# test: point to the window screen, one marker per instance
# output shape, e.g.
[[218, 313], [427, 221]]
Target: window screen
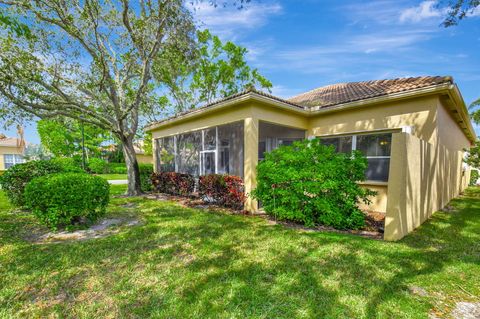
[[342, 144], [375, 147]]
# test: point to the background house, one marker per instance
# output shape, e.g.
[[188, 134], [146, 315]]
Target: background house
[[413, 132], [11, 151], [142, 157]]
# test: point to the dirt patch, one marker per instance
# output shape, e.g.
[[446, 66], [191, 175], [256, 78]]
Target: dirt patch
[[466, 310], [419, 291], [360, 232], [375, 221], [102, 229]]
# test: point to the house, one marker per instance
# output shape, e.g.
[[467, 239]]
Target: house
[[413, 132], [142, 157], [11, 152]]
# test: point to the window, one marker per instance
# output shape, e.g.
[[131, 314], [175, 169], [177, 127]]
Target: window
[[375, 147], [12, 159]]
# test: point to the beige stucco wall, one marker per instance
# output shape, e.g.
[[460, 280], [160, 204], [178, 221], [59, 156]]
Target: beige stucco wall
[[235, 113], [144, 159], [379, 201], [424, 177], [449, 134], [419, 113], [7, 150]]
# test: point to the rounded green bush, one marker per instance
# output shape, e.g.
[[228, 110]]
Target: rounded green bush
[[14, 180], [311, 183], [98, 166], [66, 198]]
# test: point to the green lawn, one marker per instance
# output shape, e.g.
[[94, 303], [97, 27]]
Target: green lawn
[[187, 263], [113, 176]]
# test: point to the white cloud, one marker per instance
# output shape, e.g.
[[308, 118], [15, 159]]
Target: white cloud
[[424, 11], [387, 42], [229, 21], [474, 13], [380, 11]]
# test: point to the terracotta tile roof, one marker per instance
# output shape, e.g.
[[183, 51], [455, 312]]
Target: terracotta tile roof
[[9, 142], [353, 91]]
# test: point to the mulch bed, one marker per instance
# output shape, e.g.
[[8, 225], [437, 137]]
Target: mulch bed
[[374, 220]]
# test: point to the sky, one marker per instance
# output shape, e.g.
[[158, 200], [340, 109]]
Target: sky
[[302, 45]]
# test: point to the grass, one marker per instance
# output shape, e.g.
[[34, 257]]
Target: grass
[[187, 263], [113, 176]]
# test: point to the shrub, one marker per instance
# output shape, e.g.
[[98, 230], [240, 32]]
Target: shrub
[[65, 198], [117, 168], [311, 183], [473, 177], [98, 166], [173, 183], [69, 164], [146, 171], [14, 180], [225, 190]]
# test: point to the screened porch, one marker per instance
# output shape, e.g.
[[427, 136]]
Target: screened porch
[[218, 149]]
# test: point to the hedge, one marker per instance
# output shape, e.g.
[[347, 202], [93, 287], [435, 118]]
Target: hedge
[[69, 164], [173, 183], [224, 190], [98, 166], [311, 183], [66, 198], [117, 168], [14, 180]]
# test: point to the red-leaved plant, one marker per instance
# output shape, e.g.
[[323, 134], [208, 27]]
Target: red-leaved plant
[[224, 190], [173, 183]]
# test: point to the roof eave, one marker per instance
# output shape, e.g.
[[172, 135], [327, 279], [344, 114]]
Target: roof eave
[[248, 96], [448, 88], [462, 110]]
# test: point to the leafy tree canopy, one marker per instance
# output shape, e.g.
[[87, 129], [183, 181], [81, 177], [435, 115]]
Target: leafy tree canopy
[[212, 70], [63, 137], [459, 10], [473, 155], [92, 61]]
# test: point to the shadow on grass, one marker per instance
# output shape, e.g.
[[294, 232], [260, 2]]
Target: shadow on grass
[[188, 263]]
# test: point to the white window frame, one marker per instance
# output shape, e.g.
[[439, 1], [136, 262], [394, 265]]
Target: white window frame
[[16, 159], [354, 144]]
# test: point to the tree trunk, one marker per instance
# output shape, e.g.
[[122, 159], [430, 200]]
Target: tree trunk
[[133, 172]]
